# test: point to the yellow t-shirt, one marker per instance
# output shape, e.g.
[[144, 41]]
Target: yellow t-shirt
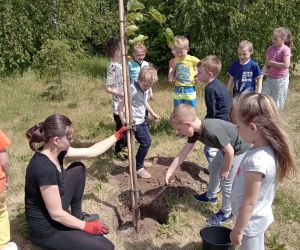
[[185, 70]]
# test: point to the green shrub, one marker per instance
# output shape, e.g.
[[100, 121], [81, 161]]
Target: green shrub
[[51, 63]]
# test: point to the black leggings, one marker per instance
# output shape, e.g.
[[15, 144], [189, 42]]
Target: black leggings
[[65, 238], [122, 143]]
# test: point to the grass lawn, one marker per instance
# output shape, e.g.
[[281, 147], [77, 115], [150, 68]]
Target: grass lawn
[[89, 107]]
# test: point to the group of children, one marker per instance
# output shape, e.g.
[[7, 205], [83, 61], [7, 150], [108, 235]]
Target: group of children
[[243, 137], [245, 145]]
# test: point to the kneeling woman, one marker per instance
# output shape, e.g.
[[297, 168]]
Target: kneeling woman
[[51, 190]]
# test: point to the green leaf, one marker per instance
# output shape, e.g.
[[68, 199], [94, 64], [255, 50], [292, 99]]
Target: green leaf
[[169, 35], [134, 5], [139, 39], [131, 29], [135, 17], [161, 18]]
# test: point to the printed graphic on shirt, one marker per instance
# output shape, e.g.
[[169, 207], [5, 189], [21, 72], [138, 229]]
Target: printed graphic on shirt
[[245, 81], [183, 73]]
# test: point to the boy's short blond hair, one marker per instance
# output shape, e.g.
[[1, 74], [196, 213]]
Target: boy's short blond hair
[[247, 44], [211, 64], [182, 113], [148, 74], [139, 46], [181, 42]]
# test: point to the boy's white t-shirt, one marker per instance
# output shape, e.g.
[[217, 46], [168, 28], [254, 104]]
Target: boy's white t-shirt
[[257, 160], [138, 100], [115, 78]]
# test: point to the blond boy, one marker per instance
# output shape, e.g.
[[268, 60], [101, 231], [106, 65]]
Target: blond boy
[[214, 133], [139, 95], [245, 74], [185, 70]]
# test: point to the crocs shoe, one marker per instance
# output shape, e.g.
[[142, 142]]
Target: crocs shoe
[[147, 164], [203, 199], [143, 173], [121, 155], [89, 217], [218, 219], [10, 246]]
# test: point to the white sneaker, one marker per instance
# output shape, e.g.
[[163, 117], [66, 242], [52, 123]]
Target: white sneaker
[[10, 246], [143, 173]]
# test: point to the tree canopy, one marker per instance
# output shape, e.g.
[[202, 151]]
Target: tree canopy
[[212, 27]]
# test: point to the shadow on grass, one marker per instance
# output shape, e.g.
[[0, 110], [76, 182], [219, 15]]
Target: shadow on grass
[[107, 165], [166, 246], [107, 204]]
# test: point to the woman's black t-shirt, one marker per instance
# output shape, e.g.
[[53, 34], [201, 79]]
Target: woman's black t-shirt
[[41, 171]]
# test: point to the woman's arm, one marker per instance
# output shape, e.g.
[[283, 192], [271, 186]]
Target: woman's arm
[[252, 189], [50, 195], [93, 151]]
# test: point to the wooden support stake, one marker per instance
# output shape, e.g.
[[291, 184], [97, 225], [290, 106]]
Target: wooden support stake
[[128, 114]]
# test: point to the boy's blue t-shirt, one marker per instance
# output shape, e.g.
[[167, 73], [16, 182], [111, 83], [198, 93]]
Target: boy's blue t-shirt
[[244, 76], [134, 69]]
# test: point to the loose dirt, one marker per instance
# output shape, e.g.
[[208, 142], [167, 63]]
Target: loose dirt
[[153, 193]]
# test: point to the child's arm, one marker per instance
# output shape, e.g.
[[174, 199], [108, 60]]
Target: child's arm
[[252, 189], [281, 65], [121, 111], [113, 90], [228, 159], [178, 160], [265, 67], [151, 96], [230, 83], [4, 164], [172, 71], [150, 110], [195, 72], [259, 81]]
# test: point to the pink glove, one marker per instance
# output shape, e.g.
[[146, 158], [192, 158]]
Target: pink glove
[[95, 227], [120, 133]]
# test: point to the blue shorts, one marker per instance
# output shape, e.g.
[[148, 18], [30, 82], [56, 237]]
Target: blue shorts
[[185, 94]]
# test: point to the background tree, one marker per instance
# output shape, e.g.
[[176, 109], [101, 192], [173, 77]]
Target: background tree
[[212, 26]]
